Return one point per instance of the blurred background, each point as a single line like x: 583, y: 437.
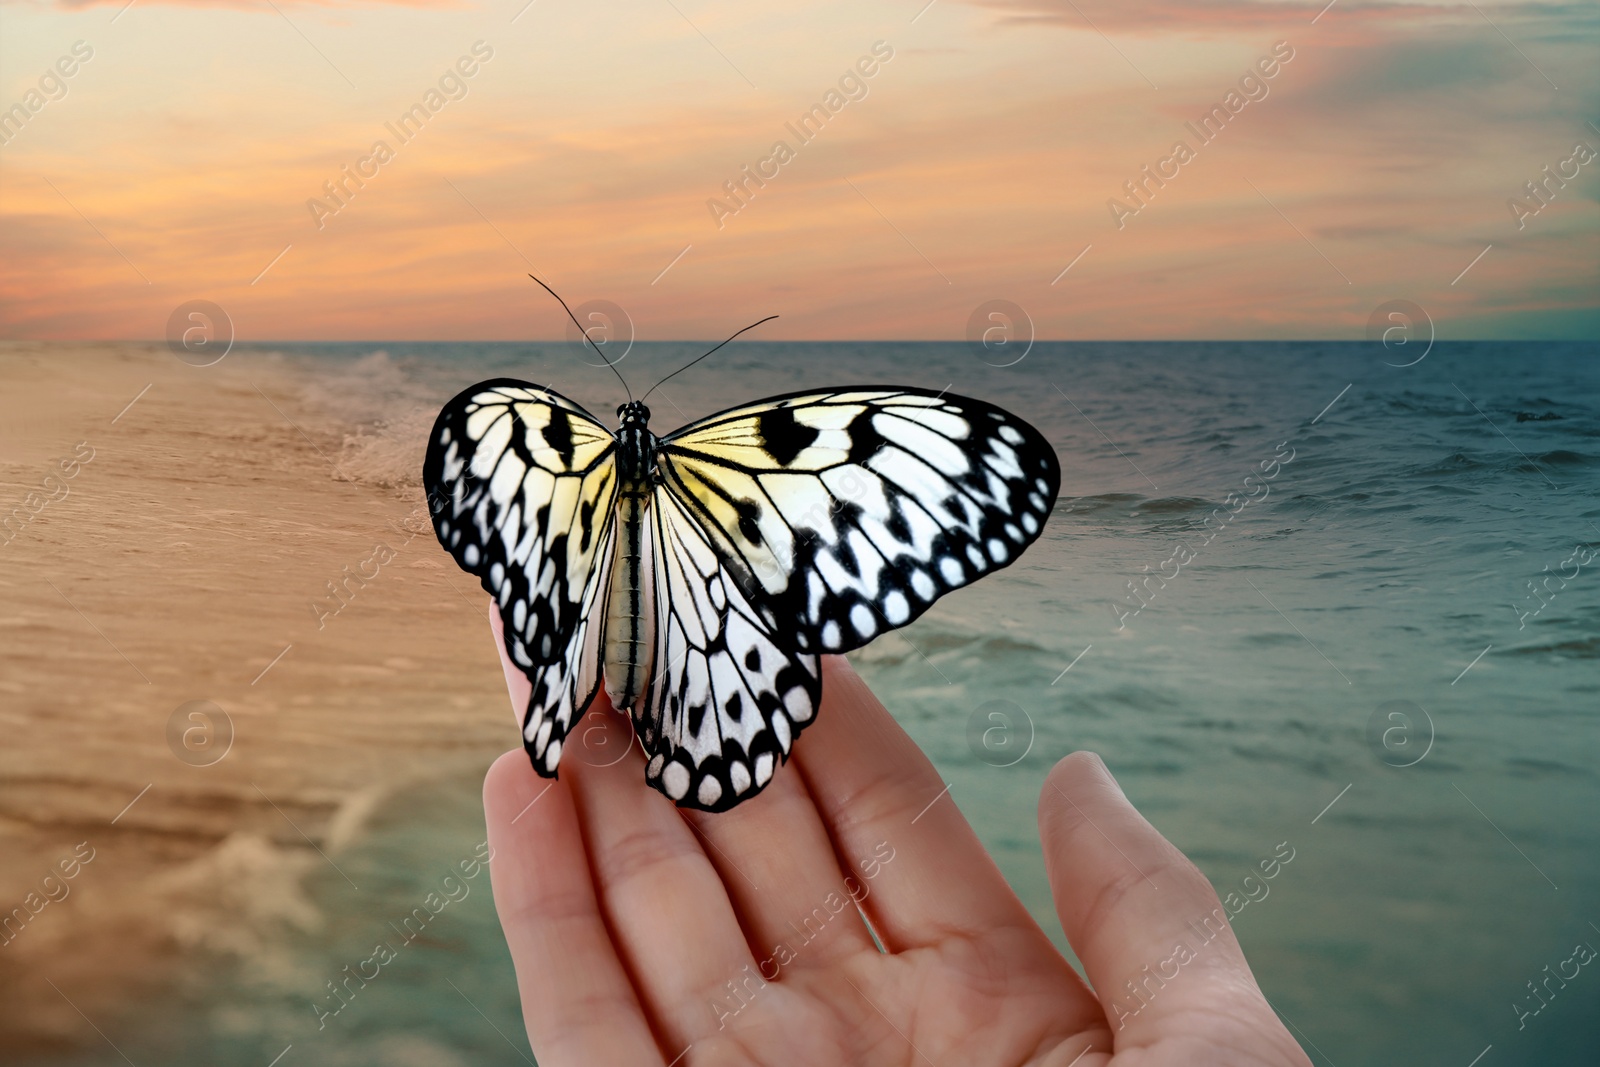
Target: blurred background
x: 247, y: 702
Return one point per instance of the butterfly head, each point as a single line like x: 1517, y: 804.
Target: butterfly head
x: 633, y: 413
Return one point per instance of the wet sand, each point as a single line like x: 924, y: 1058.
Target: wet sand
x: 170, y: 534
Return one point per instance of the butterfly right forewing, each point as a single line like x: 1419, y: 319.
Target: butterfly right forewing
x: 522, y: 486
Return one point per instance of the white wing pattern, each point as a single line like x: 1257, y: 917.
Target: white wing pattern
x: 522, y: 482
x: 776, y: 532
x: 848, y: 513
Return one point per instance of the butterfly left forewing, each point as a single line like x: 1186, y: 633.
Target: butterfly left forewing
x: 845, y: 514
x: 727, y: 694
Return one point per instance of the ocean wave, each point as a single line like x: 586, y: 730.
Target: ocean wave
x: 381, y: 409
x: 1174, y: 505
x: 1562, y: 457
x: 1586, y: 647
x: 1454, y: 463
x: 1523, y: 767
x: 1090, y: 505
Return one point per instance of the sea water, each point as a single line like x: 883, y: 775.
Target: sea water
x: 1302, y: 600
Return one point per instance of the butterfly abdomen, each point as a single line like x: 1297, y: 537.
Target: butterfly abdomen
x: 629, y: 638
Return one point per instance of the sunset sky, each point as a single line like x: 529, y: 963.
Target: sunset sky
x: 978, y: 161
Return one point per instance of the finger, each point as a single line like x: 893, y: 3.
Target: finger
x: 577, y: 1002
x: 667, y: 909
x: 798, y: 909
x: 1154, y: 939
x: 890, y: 820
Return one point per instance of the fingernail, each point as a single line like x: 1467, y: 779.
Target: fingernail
x: 1109, y: 776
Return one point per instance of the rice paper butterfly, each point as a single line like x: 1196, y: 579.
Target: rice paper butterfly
x: 698, y: 577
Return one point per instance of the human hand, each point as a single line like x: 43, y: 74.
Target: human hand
x: 643, y: 934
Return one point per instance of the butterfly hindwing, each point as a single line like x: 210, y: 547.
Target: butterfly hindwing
x: 845, y: 514
x: 727, y: 696
x: 522, y: 484
x: 563, y: 690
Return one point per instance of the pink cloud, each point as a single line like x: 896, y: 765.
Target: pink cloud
x: 1208, y: 17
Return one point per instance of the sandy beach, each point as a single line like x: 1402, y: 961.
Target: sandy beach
x: 188, y: 556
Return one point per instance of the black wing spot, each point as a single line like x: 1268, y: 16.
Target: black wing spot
x: 897, y: 524
x: 783, y: 436
x: 697, y: 716
x: 734, y: 707
x: 749, y: 514
x: 586, y: 524
x: 752, y: 659
x: 845, y: 553
x: 865, y: 440
x: 558, y: 435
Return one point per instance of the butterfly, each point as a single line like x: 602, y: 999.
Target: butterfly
x: 699, y: 576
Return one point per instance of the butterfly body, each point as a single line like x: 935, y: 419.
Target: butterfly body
x: 629, y: 627
x: 698, y: 577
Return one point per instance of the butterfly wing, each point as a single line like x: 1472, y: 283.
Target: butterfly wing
x: 522, y: 485
x: 563, y: 690
x: 727, y: 695
x: 847, y: 513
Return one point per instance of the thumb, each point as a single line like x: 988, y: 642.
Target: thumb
x: 1153, y: 937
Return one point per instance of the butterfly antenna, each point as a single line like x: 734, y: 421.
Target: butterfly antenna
x: 594, y: 346
x: 697, y: 359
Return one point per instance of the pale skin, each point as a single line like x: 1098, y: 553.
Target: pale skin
x: 627, y: 918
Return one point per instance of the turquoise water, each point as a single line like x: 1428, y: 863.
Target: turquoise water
x: 1353, y: 664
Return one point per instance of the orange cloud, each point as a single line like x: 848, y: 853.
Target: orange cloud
x: 255, y: 5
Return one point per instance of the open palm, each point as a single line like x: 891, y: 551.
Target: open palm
x: 647, y: 935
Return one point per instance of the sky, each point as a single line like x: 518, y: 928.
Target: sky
x: 229, y: 151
